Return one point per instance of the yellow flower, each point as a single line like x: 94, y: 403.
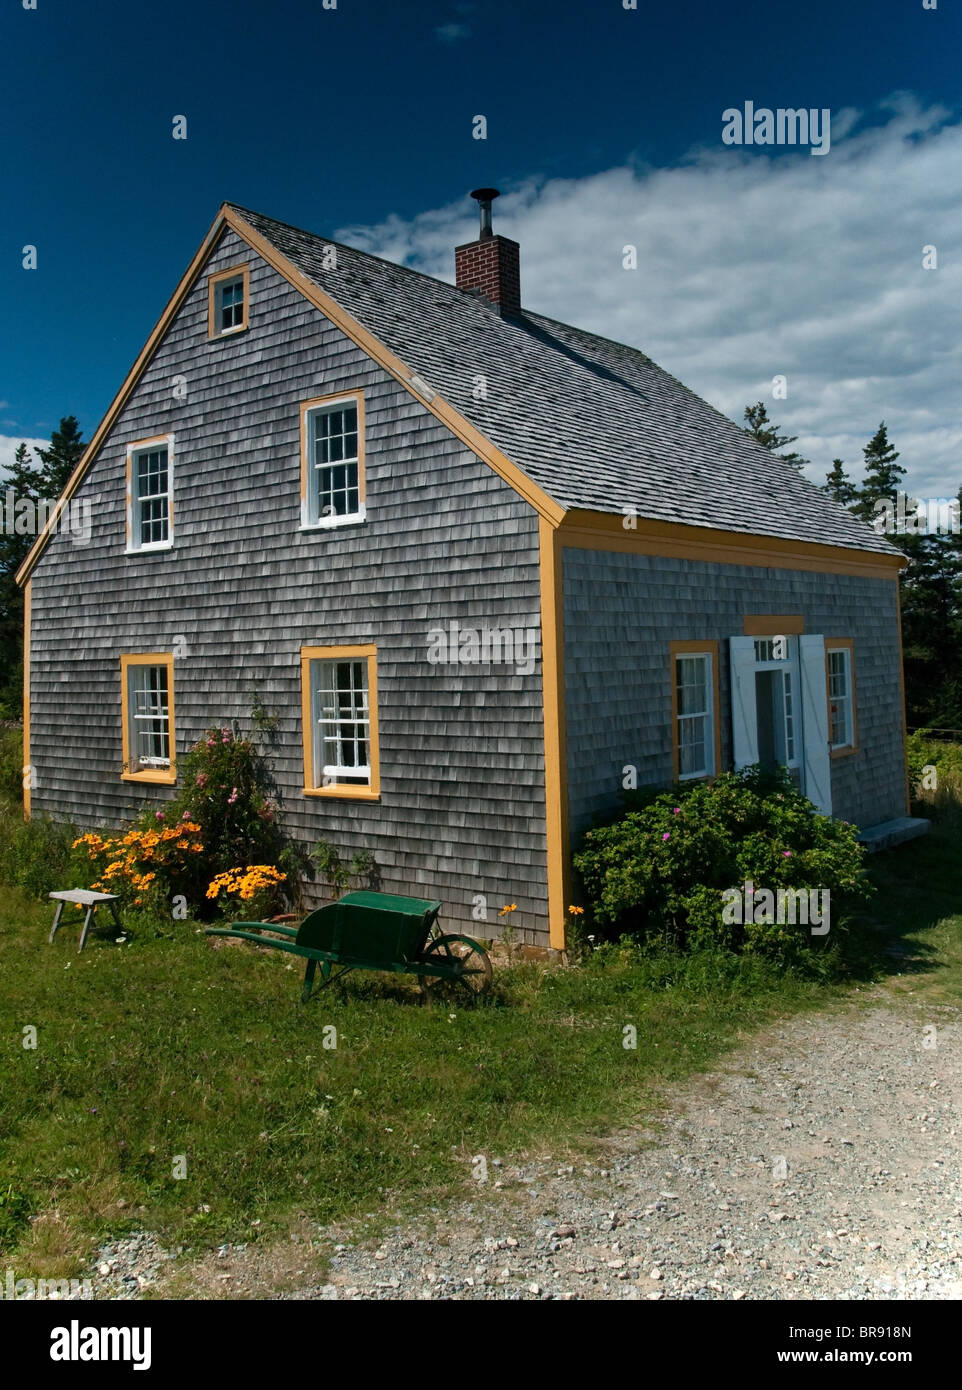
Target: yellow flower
x: 509, y: 907
x: 576, y: 911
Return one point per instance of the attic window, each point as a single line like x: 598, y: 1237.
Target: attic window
x: 228, y: 296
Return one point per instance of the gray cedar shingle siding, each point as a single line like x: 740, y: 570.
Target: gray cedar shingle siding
x: 620, y: 613
x: 462, y: 803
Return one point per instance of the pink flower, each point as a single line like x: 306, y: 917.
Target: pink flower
x: 210, y: 743
x: 159, y: 815
x: 233, y: 796
x: 666, y: 836
x: 677, y: 811
x: 202, y: 779
x: 786, y: 854
x: 186, y: 816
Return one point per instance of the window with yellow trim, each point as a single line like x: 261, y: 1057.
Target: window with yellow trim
x: 340, y: 717
x: 841, y: 697
x: 228, y: 300
x: 148, y: 717
x: 694, y: 714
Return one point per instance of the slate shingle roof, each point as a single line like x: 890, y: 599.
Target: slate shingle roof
x: 597, y: 425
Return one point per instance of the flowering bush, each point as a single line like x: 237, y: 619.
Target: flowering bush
x: 146, y: 868
x: 253, y: 892
x: 228, y: 790
x: 659, y: 871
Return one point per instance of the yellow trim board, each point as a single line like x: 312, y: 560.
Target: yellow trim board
x: 557, y: 835
x: 905, y: 727
x: 368, y: 653
x: 27, y: 776
x: 150, y: 775
x: 773, y: 625
x: 674, y: 540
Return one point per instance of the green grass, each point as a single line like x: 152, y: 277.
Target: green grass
x: 165, y: 1047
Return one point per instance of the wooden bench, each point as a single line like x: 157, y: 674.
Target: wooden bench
x: 84, y: 898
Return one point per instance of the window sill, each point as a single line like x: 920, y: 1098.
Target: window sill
x: 228, y: 333
x: 333, y: 525
x: 845, y: 752
x: 166, y: 779
x: 349, y: 792
x: 149, y: 549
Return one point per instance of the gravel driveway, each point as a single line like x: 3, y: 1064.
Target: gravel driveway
x: 821, y: 1160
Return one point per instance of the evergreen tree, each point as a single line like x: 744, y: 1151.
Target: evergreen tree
x: 931, y: 593
x: 59, y: 461
x: 839, y: 485
x: 761, y: 428
x: 27, y: 481
x: 883, y: 476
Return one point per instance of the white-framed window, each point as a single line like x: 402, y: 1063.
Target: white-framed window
x: 148, y: 716
x: 150, y: 467
x: 230, y: 304
x: 333, y: 461
x: 228, y: 301
x: 342, y: 715
x: 694, y: 714
x: 840, y: 699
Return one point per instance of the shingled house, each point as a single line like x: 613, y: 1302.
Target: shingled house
x: 486, y: 568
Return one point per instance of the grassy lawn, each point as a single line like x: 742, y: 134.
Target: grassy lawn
x: 165, y: 1047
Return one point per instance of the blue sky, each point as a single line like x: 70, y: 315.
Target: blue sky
x: 604, y: 129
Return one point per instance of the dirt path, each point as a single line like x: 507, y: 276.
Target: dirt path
x: 821, y: 1160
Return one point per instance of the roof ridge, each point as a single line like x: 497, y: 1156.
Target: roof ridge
x: 356, y: 251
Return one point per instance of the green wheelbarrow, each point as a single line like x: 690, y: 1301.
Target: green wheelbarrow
x: 376, y: 931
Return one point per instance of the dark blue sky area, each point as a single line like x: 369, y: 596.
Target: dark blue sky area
x: 323, y: 118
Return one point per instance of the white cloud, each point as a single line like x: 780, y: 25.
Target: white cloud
x: 750, y: 266
x: 9, y: 444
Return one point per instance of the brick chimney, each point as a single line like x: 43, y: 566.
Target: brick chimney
x: 492, y: 263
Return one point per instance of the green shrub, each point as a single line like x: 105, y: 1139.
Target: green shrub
x: 659, y: 872
x: 336, y: 874
x: 945, y: 756
x: 11, y: 765
x: 37, y: 854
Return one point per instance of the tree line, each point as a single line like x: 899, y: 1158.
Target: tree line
x: 930, y: 586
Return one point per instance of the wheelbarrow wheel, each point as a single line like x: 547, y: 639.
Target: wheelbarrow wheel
x: 474, y: 975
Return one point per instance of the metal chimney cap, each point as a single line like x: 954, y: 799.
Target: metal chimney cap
x: 485, y: 197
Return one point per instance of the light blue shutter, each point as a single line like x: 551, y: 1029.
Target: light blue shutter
x: 817, y: 761
x: 744, y: 718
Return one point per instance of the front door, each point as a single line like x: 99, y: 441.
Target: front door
x: 780, y: 710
